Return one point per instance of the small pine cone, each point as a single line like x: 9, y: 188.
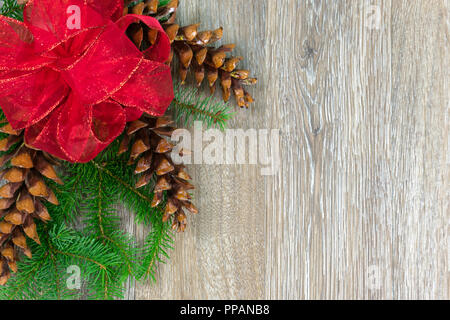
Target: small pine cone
x: 21, y: 198
x: 194, y: 51
x: 152, y: 151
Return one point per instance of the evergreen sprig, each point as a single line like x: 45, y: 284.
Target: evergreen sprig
x: 11, y: 9
x: 189, y: 105
x: 45, y: 276
x: 161, y: 3
x: 101, y: 220
x: 157, y: 244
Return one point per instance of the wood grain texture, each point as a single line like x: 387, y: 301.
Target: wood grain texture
x: 360, y: 206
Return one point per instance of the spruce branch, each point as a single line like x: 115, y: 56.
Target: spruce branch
x: 122, y: 175
x: 21, y: 284
x: 107, y: 255
x: 10, y: 8
x: 160, y: 238
x: 189, y: 105
x: 157, y: 244
x: 123, y: 183
x: 101, y: 219
x: 55, y: 265
x: 42, y: 276
x: 131, y: 3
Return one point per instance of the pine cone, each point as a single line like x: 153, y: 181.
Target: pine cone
x: 166, y: 13
x: 152, y: 152
x: 194, y: 51
x: 22, y: 198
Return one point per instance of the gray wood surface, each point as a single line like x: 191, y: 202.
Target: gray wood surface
x: 360, y: 206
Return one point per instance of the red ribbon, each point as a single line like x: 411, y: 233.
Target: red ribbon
x: 73, y: 89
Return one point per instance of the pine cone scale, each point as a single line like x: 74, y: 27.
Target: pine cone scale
x: 19, y: 199
x: 156, y: 163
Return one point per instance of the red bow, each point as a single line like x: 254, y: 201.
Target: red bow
x: 71, y: 78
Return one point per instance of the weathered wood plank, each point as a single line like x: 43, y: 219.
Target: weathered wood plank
x: 419, y: 149
x: 360, y: 206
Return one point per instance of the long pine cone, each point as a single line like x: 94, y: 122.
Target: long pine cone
x: 151, y: 151
x: 194, y: 51
x: 22, y: 198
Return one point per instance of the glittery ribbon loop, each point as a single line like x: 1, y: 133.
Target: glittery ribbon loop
x: 73, y: 89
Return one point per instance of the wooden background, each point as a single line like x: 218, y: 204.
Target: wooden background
x: 360, y: 206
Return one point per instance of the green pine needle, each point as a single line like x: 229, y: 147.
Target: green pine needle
x: 157, y: 244
x: 161, y: 3
x: 11, y: 9
x: 189, y: 105
x: 44, y: 276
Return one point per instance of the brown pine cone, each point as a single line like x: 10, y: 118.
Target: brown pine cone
x: 194, y: 51
x: 165, y: 13
x: 22, y: 198
x: 152, y: 152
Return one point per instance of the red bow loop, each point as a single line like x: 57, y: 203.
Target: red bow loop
x: 160, y: 51
x: 71, y: 77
